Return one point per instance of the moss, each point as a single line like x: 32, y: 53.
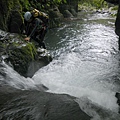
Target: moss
x: 25, y: 4
x: 92, y: 4
x: 6, y: 8
x: 20, y: 56
x: 29, y: 50
x: 10, y: 5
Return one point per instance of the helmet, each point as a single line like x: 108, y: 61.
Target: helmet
x: 27, y: 16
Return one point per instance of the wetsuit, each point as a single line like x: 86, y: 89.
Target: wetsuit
x: 37, y: 28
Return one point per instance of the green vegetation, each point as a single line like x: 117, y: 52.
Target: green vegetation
x: 92, y: 4
x: 25, y: 4
x: 21, y: 56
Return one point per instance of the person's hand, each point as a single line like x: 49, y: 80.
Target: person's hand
x: 44, y: 28
x: 27, y: 38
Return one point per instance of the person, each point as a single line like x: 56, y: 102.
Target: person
x: 36, y: 24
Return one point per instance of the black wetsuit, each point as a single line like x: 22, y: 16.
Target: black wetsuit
x: 36, y: 30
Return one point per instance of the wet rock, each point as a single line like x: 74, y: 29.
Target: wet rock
x: 55, y: 17
x: 67, y: 14
x: 118, y: 101
x: 15, y: 22
x: 68, y: 11
x: 117, y: 22
x: 37, y: 105
x: 19, y: 54
x: 74, y: 13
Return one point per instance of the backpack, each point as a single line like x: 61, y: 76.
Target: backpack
x: 43, y: 16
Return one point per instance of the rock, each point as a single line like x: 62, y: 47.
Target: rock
x: 67, y: 14
x: 20, y: 54
x: 118, y: 101
x: 55, y: 17
x: 117, y: 22
x: 73, y: 12
x: 11, y: 16
x: 15, y: 22
x: 68, y: 11
x: 38, y: 105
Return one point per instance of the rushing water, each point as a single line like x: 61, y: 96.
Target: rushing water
x: 86, y: 62
x: 85, y: 65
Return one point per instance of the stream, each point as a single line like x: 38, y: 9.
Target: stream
x: 86, y: 65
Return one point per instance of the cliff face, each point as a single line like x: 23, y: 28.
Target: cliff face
x: 10, y: 15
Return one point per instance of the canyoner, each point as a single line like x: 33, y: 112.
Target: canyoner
x: 36, y: 25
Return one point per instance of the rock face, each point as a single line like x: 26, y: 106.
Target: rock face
x: 11, y: 15
x: 118, y: 101
x: 70, y: 9
x: 117, y: 22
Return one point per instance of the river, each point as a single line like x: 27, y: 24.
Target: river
x: 86, y: 65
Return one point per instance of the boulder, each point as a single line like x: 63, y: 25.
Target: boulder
x: 117, y: 22
x: 55, y: 17
x: 68, y: 11
x: 38, y: 105
x: 20, y: 55
x: 67, y: 14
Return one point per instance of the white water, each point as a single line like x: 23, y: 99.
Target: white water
x: 12, y: 78
x: 70, y: 79
x: 87, y: 68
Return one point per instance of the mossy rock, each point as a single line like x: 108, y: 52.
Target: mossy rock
x: 20, y: 57
x: 67, y: 14
x: 19, y: 54
x: 10, y: 9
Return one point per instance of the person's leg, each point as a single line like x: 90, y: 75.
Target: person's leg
x: 41, y: 39
x: 42, y: 34
x: 42, y: 44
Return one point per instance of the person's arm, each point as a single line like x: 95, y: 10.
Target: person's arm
x: 37, y: 23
